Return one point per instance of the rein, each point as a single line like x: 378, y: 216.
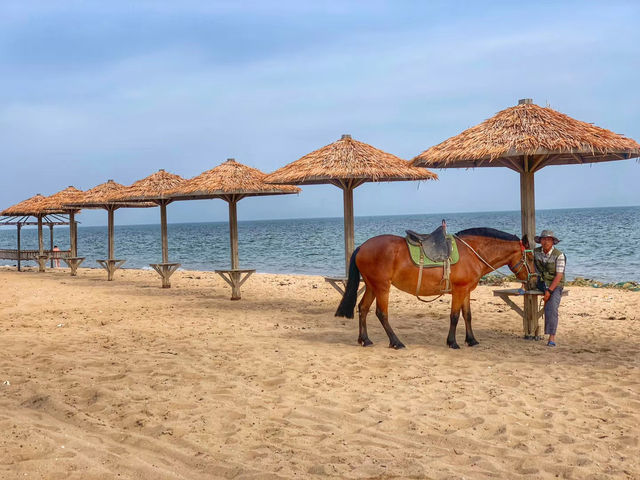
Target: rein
x: 519, y: 265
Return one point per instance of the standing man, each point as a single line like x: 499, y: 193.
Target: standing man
x: 550, y: 263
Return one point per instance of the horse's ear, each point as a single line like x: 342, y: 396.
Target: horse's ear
x: 525, y: 241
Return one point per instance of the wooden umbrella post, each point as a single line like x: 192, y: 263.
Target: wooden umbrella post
x: 51, y: 242
x: 73, y: 261
x: 110, y: 232
x: 110, y: 264
x: 72, y: 234
x: 347, y: 186
x: 163, y: 231
x: 233, y: 232
x: 528, y: 218
x: 42, y: 258
x: 349, y: 229
x: 236, y: 276
x: 164, y: 269
x: 19, y: 228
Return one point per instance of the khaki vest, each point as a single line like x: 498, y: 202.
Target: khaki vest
x: 547, y: 269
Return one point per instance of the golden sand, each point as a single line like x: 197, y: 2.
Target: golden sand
x: 127, y: 380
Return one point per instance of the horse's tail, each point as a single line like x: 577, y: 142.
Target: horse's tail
x: 348, y: 303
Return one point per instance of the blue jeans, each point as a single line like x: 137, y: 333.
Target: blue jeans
x: 551, y: 311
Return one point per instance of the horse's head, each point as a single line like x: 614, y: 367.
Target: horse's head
x: 521, y: 263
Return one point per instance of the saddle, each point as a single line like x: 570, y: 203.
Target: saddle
x: 435, y: 245
x: 438, y: 248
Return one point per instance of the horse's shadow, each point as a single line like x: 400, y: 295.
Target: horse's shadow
x: 498, y: 346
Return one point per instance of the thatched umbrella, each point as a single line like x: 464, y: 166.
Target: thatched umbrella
x: 26, y: 208
x: 526, y: 138
x: 347, y: 164
x: 97, y: 197
x: 18, y: 215
x: 231, y: 181
x: 153, y: 189
x: 39, y: 207
x: 55, y: 203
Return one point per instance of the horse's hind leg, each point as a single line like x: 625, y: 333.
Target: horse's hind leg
x: 466, y: 313
x: 456, y: 304
x: 382, y: 312
x: 363, y: 310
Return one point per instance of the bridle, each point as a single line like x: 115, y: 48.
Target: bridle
x: 523, y: 263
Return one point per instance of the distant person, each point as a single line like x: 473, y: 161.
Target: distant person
x: 550, y: 264
x: 57, y: 260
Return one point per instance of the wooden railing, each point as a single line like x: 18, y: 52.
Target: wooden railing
x: 27, y: 255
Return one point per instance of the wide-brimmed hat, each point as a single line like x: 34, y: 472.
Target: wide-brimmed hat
x: 547, y: 233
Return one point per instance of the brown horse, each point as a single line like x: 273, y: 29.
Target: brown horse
x: 384, y: 261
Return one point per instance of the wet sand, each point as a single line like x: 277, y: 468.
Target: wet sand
x: 127, y: 380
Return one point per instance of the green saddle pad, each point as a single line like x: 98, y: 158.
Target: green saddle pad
x: 414, y: 252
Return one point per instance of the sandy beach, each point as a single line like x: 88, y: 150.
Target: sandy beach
x: 127, y: 380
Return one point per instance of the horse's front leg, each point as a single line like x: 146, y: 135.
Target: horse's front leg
x: 363, y: 310
x: 466, y: 313
x: 382, y: 312
x: 456, y: 304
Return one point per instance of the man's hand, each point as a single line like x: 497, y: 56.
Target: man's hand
x: 547, y: 295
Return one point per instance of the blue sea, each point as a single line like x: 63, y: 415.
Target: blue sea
x: 600, y: 243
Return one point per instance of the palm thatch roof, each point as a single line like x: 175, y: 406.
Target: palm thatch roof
x: 229, y: 178
x: 57, y: 201
x: 40, y: 205
x: 151, y: 188
x: 29, y: 207
x: 98, y: 197
x: 348, y: 159
x: 527, y: 132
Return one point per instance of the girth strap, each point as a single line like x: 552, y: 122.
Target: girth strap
x: 446, y: 278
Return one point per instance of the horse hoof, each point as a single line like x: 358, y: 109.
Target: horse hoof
x: 397, y: 346
x: 366, y: 343
x: 473, y: 342
x: 455, y: 346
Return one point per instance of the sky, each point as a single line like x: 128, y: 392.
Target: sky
x: 95, y: 90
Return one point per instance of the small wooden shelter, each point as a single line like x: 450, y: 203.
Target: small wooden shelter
x: 526, y: 138
x: 20, y: 215
x: 153, y: 189
x: 39, y: 207
x: 230, y: 181
x: 347, y: 164
x: 98, y: 197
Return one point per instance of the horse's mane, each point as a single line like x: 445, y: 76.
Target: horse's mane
x: 488, y: 232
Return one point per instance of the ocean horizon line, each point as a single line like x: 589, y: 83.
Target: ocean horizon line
x: 355, y: 217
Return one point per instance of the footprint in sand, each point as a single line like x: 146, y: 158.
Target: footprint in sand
x: 511, y: 382
x: 461, y: 424
x: 582, y: 461
x: 36, y: 402
x: 566, y: 439
x: 115, y: 450
x: 274, y: 382
x: 519, y: 432
x: 456, y: 405
x: 528, y: 467
x: 48, y: 428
